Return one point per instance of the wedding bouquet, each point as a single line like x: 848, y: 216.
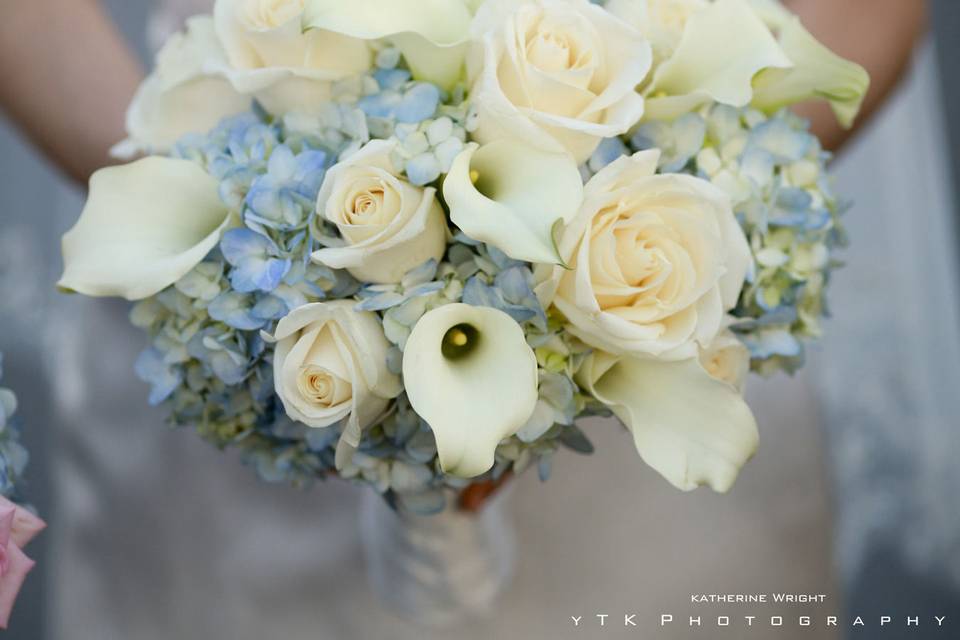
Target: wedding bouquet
x: 18, y: 525
x: 410, y: 242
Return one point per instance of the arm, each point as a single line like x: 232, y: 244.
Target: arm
x: 878, y: 34
x: 66, y: 78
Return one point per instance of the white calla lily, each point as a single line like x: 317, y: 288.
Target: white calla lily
x: 187, y: 93
x: 470, y: 374
x: 723, y: 47
x: 145, y: 226
x: 431, y: 34
x: 512, y: 196
x: 691, y: 428
x: 817, y: 72
x: 772, y: 12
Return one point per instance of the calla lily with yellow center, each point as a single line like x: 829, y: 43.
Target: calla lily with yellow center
x: 513, y: 196
x: 431, y: 34
x: 692, y: 428
x: 470, y: 374
x: 145, y: 225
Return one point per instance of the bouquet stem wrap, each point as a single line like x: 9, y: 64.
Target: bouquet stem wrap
x: 436, y: 570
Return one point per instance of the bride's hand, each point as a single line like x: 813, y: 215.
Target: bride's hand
x: 66, y: 78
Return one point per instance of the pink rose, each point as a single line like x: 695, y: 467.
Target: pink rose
x: 17, y: 527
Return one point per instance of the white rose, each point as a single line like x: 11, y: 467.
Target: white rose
x: 727, y: 359
x: 557, y: 74
x: 656, y: 261
x: 389, y: 226
x: 272, y: 58
x: 330, y: 364
x: 185, y: 94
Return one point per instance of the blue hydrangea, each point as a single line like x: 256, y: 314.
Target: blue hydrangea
x: 510, y: 291
x: 285, y: 196
x: 610, y: 149
x: 774, y: 169
x: 678, y: 141
x: 163, y: 378
x: 401, y: 101
x: 256, y: 261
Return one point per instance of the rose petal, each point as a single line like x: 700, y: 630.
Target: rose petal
x: 8, y: 512
x: 18, y: 566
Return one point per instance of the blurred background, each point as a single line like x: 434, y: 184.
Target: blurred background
x: 854, y: 493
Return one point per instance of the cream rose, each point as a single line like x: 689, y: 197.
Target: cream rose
x: 655, y: 262
x: 329, y: 365
x: 271, y: 57
x: 188, y: 92
x: 557, y: 74
x: 389, y: 226
x: 727, y: 359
